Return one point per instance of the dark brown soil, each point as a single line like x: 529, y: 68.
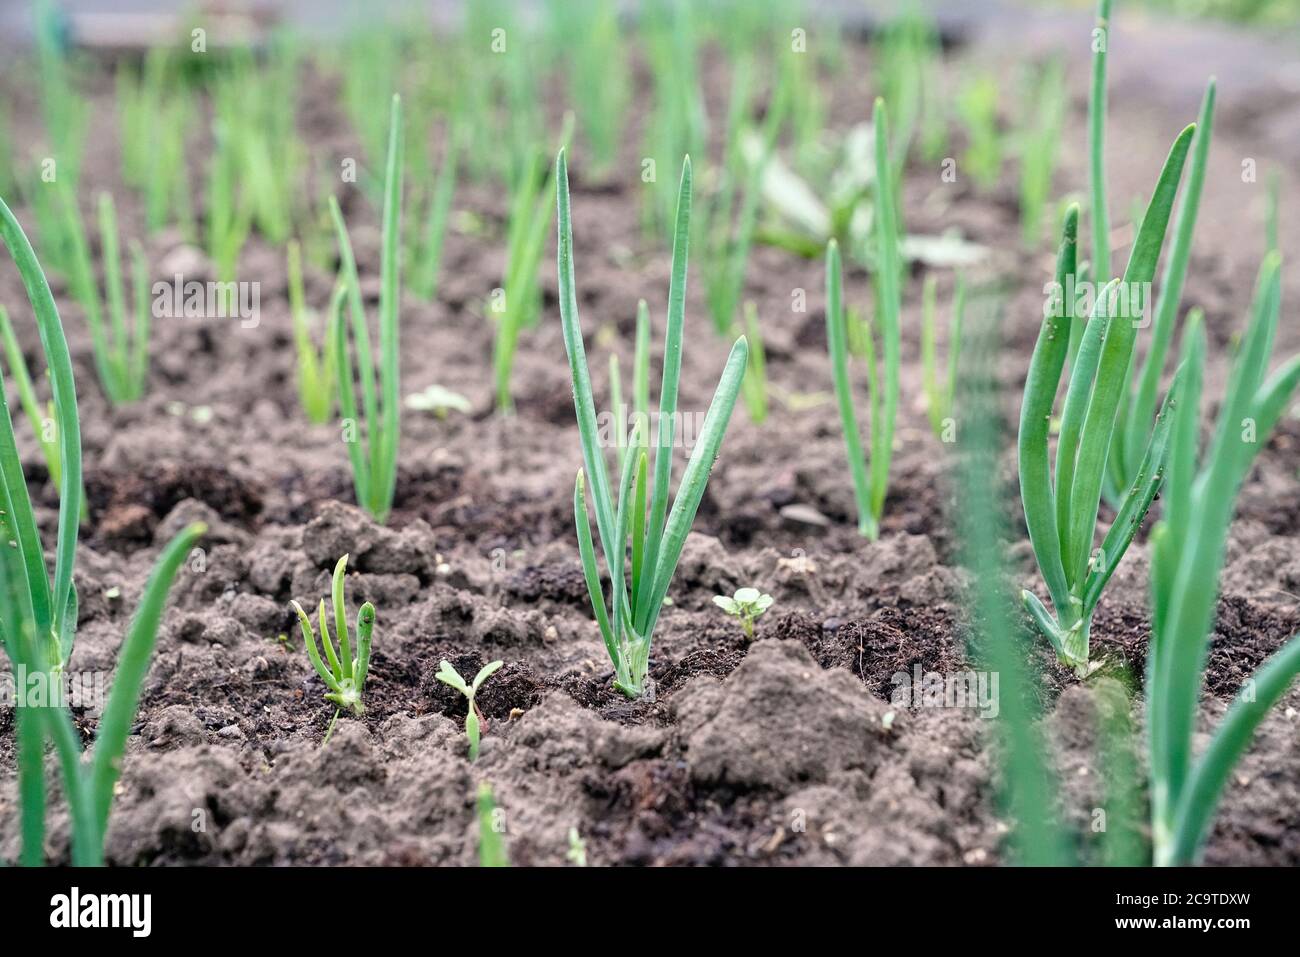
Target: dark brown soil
x: 781, y: 751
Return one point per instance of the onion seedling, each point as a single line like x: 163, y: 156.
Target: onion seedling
x: 870, y: 492
x: 254, y: 107
x: 1061, y: 510
x: 517, y: 304
x: 1039, y: 140
x: 316, y: 371
x: 640, y: 387
x: 154, y: 109
x: 907, y: 52
x: 345, y: 676
x: 678, y: 124
x: 1098, y: 208
x: 229, y: 212
x: 746, y: 605
x: 425, y: 246
x: 727, y: 234
x: 121, y: 354
x: 38, y: 612
x: 65, y: 112
x: 977, y: 107
x: 374, y: 462
x: 41, y: 421
x: 939, y: 396
x: 1188, y: 548
x: 44, y: 426
x: 1137, y: 408
x: 451, y: 677
x: 1027, y: 787
x: 657, y: 534
x: 597, y: 79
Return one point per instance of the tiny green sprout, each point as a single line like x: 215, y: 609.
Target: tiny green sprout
x: 747, y: 604
x: 438, y: 400
x: 450, y: 676
x: 345, y: 676
x: 577, y: 853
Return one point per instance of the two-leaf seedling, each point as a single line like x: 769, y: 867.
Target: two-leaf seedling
x: 746, y: 605
x: 450, y: 676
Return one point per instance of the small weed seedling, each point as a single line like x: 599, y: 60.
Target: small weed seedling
x: 439, y: 400
x: 451, y: 677
x: 746, y: 605
x: 345, y: 677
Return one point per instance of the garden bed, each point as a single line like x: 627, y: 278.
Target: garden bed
x: 785, y: 750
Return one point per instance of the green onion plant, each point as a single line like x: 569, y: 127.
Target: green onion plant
x: 517, y: 304
x: 153, y: 111
x: 640, y: 409
x: 906, y: 56
x: 977, y: 109
x: 1038, y: 143
x: 316, y: 370
x: 38, y: 611
x: 940, y: 395
x: 374, y: 461
x: 1061, y: 508
x: 40, y: 419
x: 121, y: 350
x: 869, y: 490
x: 596, y: 78
x: 641, y: 507
x: 728, y: 218
x: 428, y: 225
x: 678, y: 123
x: 1187, y: 554
x: 1137, y: 407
